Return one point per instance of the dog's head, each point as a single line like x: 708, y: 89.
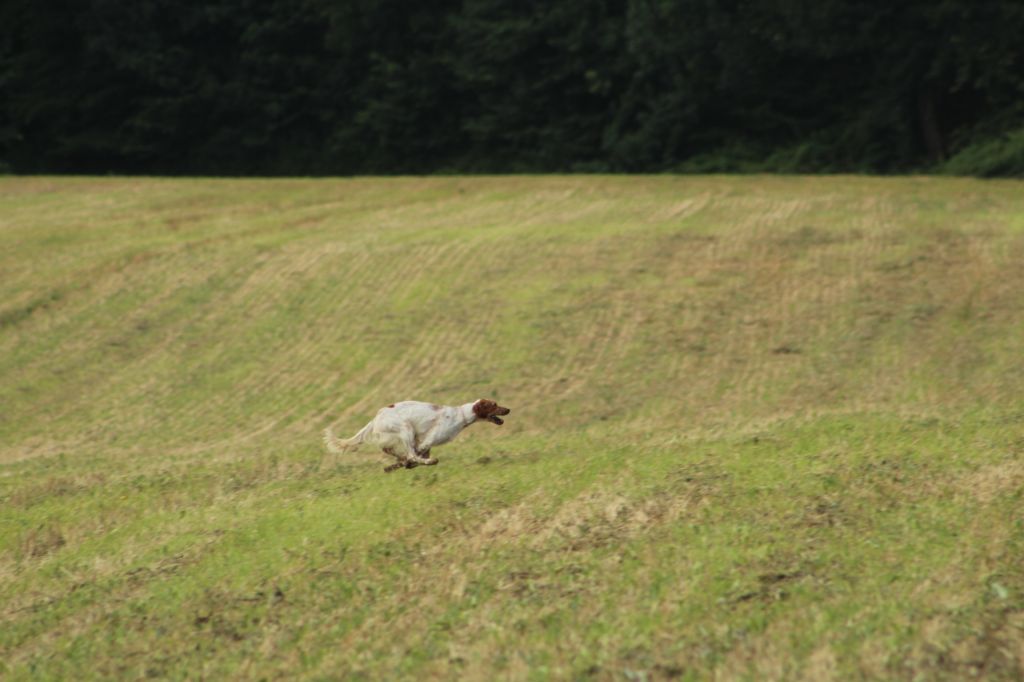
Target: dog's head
x: 488, y: 410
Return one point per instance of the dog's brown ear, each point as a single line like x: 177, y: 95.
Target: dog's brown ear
x: 483, y: 408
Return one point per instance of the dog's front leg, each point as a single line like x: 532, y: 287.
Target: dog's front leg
x: 413, y: 447
x: 413, y: 454
x: 423, y: 458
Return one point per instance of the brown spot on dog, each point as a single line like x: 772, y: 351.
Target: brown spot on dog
x: 391, y: 405
x: 488, y: 410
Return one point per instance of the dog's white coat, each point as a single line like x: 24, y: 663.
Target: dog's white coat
x: 409, y: 429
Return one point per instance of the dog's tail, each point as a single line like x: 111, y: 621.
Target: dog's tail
x: 340, y: 445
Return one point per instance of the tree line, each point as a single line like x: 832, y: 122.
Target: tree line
x: 279, y: 87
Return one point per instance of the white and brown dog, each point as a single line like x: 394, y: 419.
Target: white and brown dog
x: 408, y: 430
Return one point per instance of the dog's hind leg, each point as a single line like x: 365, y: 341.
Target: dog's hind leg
x: 402, y: 461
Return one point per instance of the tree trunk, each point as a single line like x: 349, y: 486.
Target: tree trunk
x: 930, y: 124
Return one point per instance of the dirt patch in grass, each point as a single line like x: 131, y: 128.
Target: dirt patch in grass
x: 994, y: 481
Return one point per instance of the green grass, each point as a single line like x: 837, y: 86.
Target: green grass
x: 762, y: 428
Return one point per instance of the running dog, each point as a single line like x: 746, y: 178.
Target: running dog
x: 408, y: 430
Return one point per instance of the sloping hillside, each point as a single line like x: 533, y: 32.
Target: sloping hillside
x: 763, y: 427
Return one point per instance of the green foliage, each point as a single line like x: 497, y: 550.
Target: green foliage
x: 998, y: 156
x: 279, y: 87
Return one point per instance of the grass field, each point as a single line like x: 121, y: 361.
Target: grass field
x: 763, y: 428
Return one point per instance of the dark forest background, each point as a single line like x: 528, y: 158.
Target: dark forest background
x: 280, y: 87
